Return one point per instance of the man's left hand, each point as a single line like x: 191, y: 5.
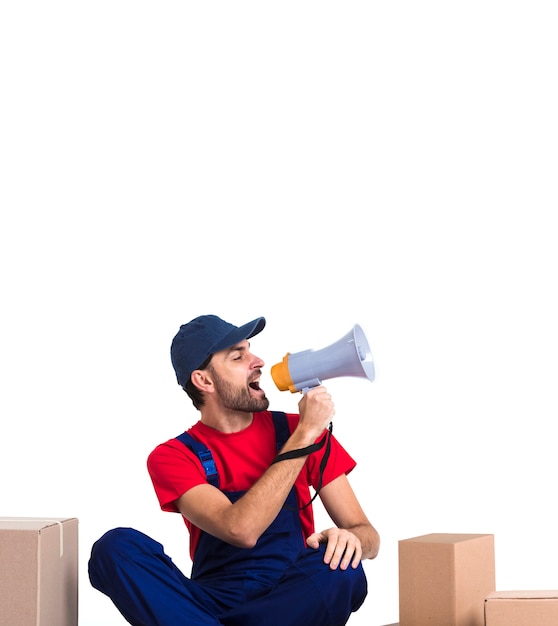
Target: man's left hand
x: 343, y: 547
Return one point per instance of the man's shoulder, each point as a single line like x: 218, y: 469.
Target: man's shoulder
x: 170, y: 448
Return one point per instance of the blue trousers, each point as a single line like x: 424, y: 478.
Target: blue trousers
x: 149, y: 590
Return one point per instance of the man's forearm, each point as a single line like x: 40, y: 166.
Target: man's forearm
x: 369, y: 540
x: 251, y: 514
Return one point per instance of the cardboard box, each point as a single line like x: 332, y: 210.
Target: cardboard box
x: 38, y: 571
x: 444, y: 579
x: 521, y: 608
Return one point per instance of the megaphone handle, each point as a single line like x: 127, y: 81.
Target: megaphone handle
x: 309, y: 384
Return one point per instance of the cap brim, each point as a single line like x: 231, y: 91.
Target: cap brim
x: 239, y: 334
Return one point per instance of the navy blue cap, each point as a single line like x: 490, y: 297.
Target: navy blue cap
x: 202, y: 337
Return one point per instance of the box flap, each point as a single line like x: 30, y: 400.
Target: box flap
x: 30, y: 523
x: 536, y: 594
x: 446, y: 538
x: 36, y: 524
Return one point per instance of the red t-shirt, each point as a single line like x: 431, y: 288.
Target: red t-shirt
x: 241, y: 458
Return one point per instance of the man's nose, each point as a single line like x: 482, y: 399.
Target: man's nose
x: 257, y: 363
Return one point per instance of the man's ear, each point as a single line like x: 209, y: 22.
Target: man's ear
x: 202, y: 380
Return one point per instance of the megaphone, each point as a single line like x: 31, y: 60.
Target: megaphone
x: 349, y: 356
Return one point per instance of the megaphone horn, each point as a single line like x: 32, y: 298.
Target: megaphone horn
x: 349, y: 356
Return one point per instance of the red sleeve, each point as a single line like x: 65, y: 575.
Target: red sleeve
x: 174, y: 469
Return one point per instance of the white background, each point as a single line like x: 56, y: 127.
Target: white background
x: 392, y: 164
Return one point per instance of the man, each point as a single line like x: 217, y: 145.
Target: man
x: 241, y: 479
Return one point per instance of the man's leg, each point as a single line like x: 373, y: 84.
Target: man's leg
x: 144, y: 584
x: 309, y: 593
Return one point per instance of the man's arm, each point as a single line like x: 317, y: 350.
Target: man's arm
x: 242, y: 523
x: 354, y: 537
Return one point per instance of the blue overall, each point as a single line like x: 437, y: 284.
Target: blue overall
x: 278, y: 582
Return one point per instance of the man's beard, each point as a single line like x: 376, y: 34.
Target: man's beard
x: 238, y: 398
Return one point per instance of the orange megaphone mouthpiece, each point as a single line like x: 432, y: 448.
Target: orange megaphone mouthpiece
x: 281, y: 375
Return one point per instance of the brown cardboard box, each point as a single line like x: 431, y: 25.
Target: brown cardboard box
x: 521, y: 608
x: 38, y: 571
x: 444, y: 579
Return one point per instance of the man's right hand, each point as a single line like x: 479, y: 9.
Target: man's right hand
x: 316, y: 410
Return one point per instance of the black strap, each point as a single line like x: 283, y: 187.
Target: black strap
x: 294, y: 454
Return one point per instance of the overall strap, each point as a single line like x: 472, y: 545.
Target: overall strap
x: 282, y: 432
x: 204, y: 455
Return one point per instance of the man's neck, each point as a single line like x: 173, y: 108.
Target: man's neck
x: 227, y: 421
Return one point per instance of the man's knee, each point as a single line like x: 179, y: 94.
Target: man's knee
x: 120, y: 541
x: 357, y: 583
x: 111, y: 551
x: 113, y: 542
x: 345, y: 590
